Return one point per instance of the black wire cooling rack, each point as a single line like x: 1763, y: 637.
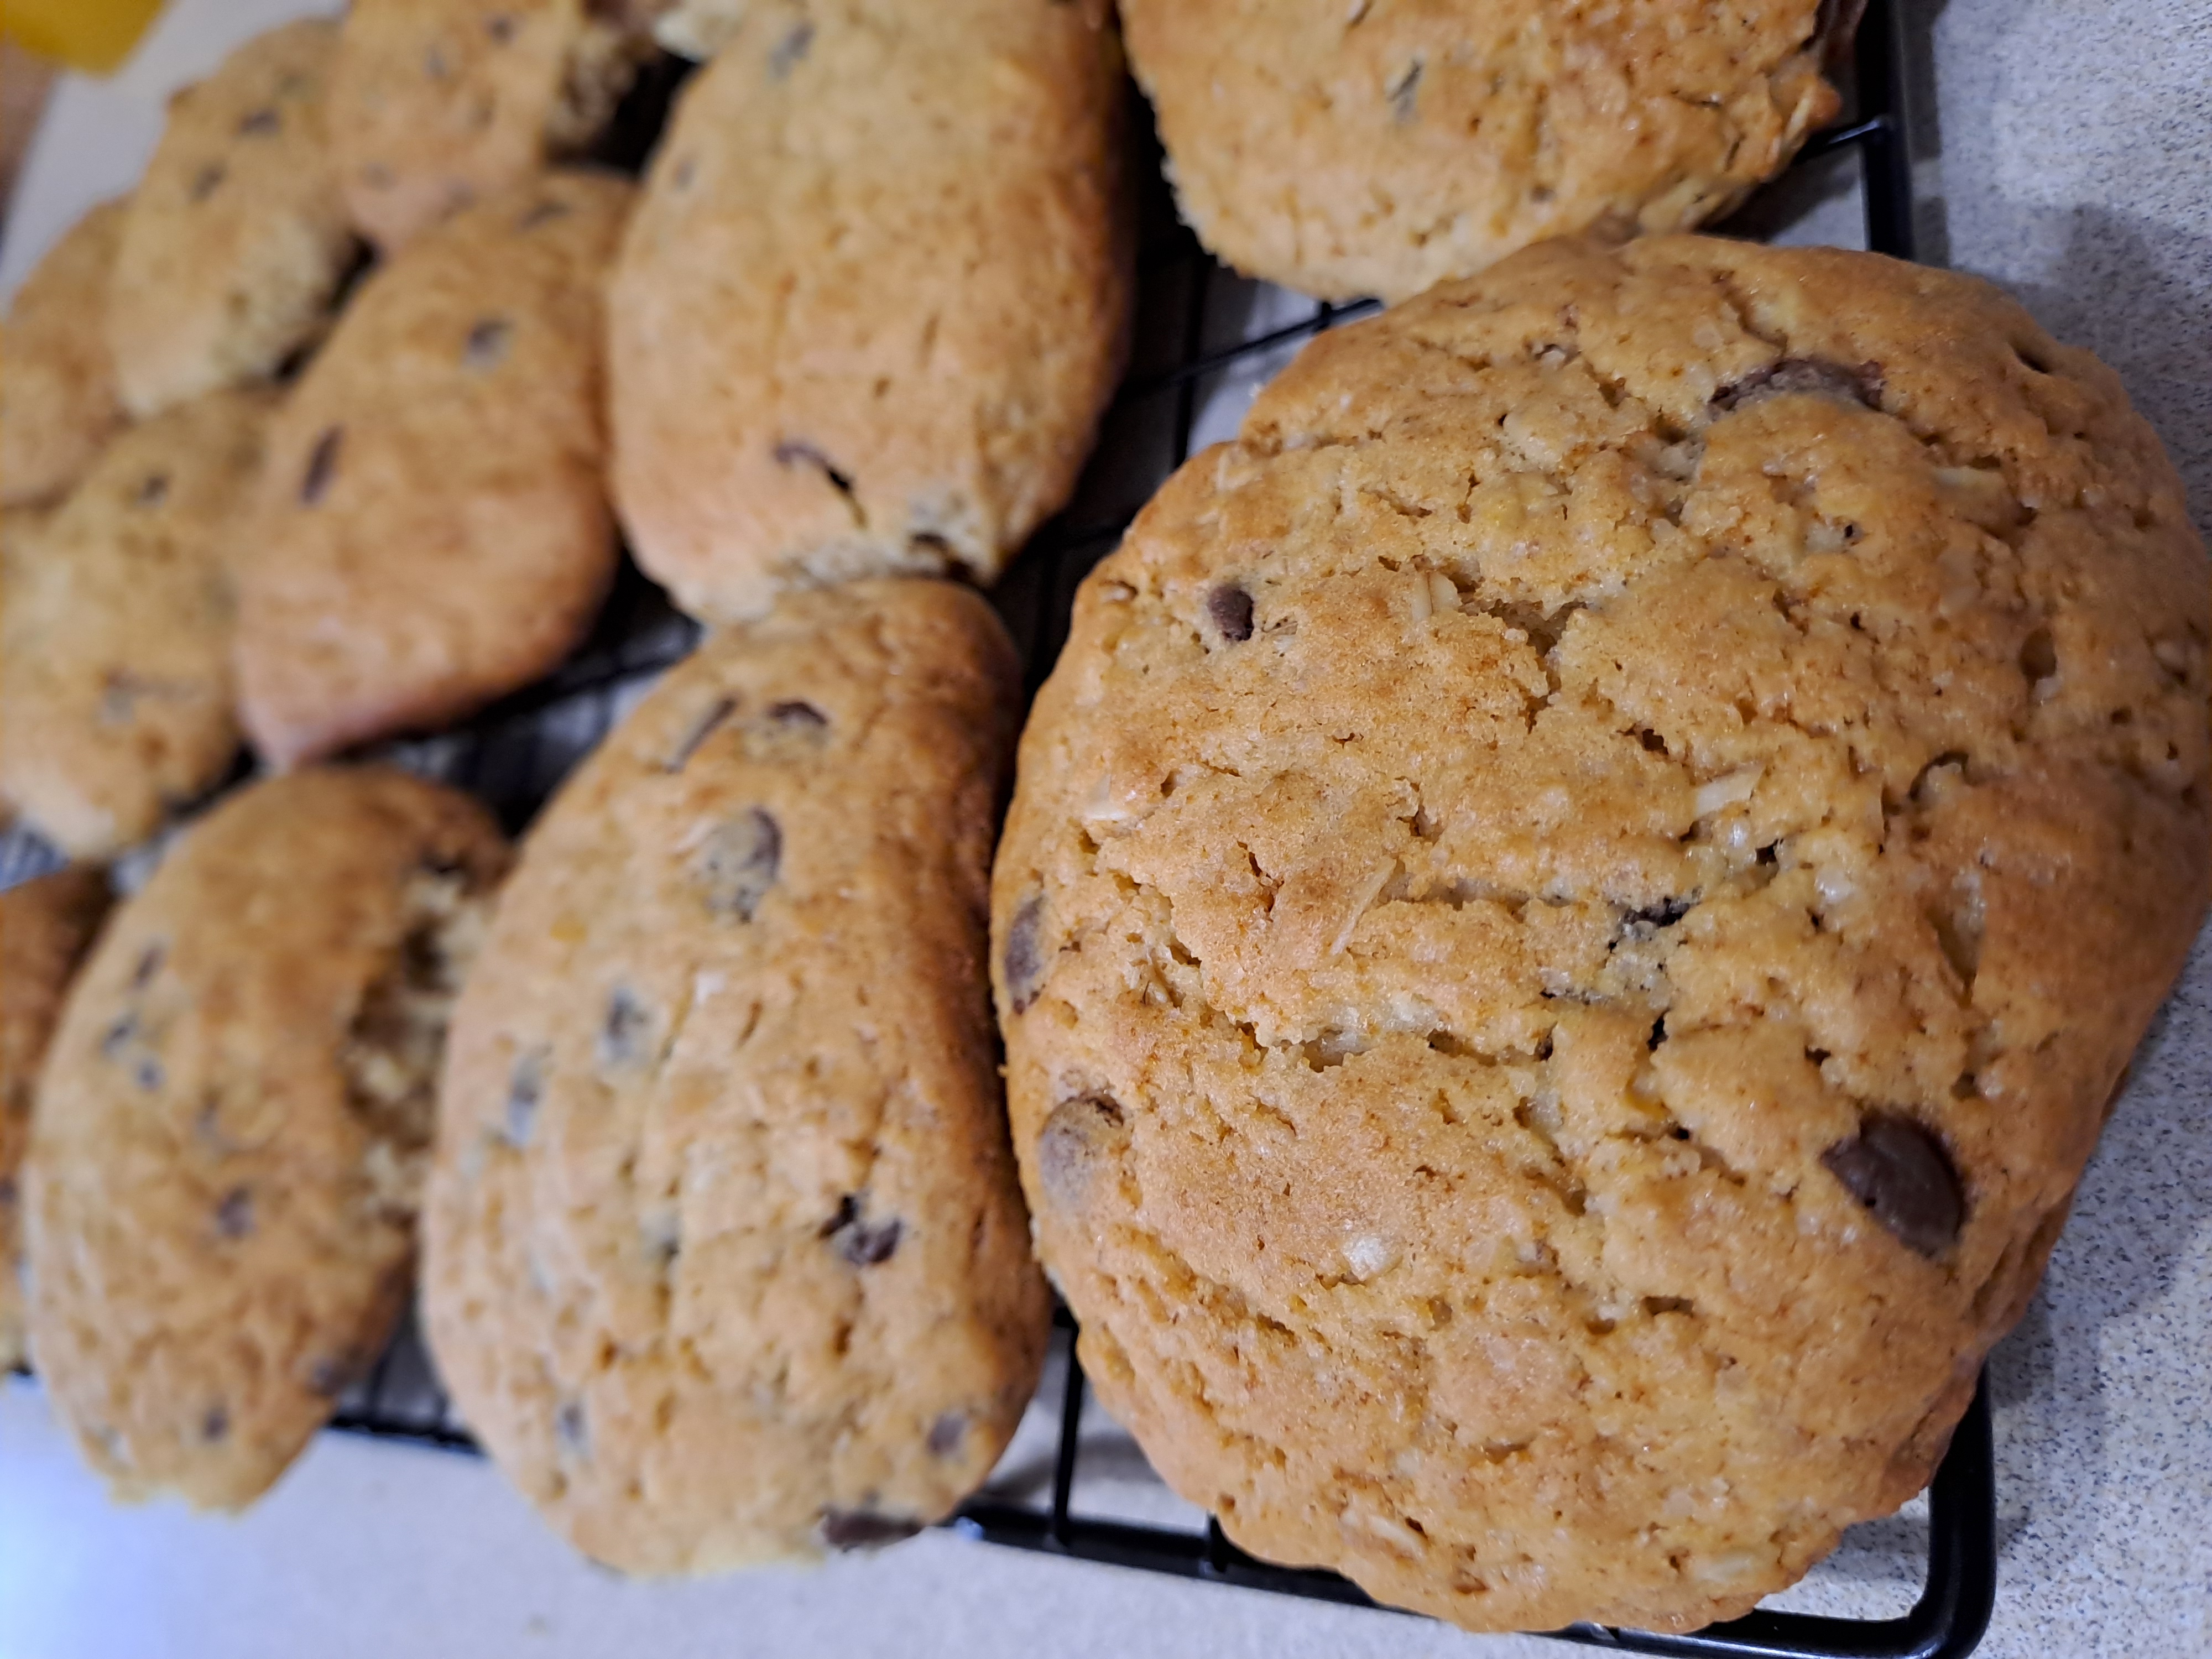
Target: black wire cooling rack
x: 1204, y: 339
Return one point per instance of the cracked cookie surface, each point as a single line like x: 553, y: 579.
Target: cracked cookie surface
x: 1379, y: 146
x: 227, y: 1144
x: 874, y: 298
x: 725, y: 1261
x: 1575, y: 904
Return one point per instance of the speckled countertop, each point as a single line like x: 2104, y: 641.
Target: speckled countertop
x: 2065, y: 149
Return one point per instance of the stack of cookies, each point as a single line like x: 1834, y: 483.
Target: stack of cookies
x: 1569, y: 913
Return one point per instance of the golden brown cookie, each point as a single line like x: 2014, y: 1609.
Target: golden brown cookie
x: 439, y: 103
x: 220, y: 1196
x: 115, y: 636
x: 724, y: 1258
x: 874, y: 297
x: 235, y: 242
x: 1376, y: 146
x: 432, y: 528
x: 57, y: 398
x: 46, y: 925
x: 1573, y: 906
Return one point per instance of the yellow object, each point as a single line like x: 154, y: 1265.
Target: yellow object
x: 93, y: 35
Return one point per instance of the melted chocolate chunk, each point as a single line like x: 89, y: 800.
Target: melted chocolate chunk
x: 322, y: 466
x: 863, y: 1530
x: 1230, y: 608
x: 1081, y: 1140
x: 1900, y: 1172
x: 1023, y: 958
x: 740, y: 863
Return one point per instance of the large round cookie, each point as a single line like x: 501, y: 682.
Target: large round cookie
x: 874, y: 297
x: 433, y: 527
x: 46, y: 925
x: 1376, y: 146
x: 1575, y: 904
x: 234, y: 242
x: 57, y: 398
x: 225, y: 1153
x: 436, y: 104
x: 115, y: 629
x: 723, y: 1257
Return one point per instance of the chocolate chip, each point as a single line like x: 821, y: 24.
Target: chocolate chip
x: 862, y: 1243
x: 789, y: 52
x: 543, y: 213
x: 2038, y: 656
x: 526, y: 1087
x: 1230, y: 609
x: 863, y: 1530
x: 739, y: 864
x: 624, y: 1033
x: 501, y: 27
x: 1405, y: 92
x: 331, y: 1376
x: 1081, y: 1138
x: 7, y: 1190
x: 148, y: 1074
x: 262, y: 120
x: 153, y: 490
x: 798, y: 717
x: 487, y: 344
x: 233, y: 1216
x: 206, y: 181
x: 702, y: 728
x: 434, y: 64
x: 792, y: 452
x: 571, y: 1429
x: 149, y: 963
x: 1024, y: 959
x: 216, y: 1426
x: 1808, y: 376
x: 118, y: 1037
x: 1900, y: 1171
x: 947, y: 1433
x: 322, y: 466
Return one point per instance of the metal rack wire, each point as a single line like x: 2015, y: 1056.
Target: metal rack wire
x: 1205, y: 340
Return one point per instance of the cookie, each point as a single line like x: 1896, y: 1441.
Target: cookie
x: 1575, y: 903
x: 724, y: 1258
x: 433, y: 527
x: 58, y: 403
x: 436, y: 104
x: 235, y: 243
x: 115, y: 639
x: 228, y: 1147
x: 1376, y: 148
x: 874, y: 297
x: 47, y: 926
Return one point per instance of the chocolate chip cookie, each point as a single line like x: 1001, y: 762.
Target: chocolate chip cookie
x: 433, y: 527
x: 46, y: 925
x: 115, y: 636
x: 436, y: 104
x: 226, y: 1152
x: 724, y: 1258
x: 1374, y: 148
x: 874, y: 297
x: 58, y: 403
x: 1575, y: 904
x: 235, y: 242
